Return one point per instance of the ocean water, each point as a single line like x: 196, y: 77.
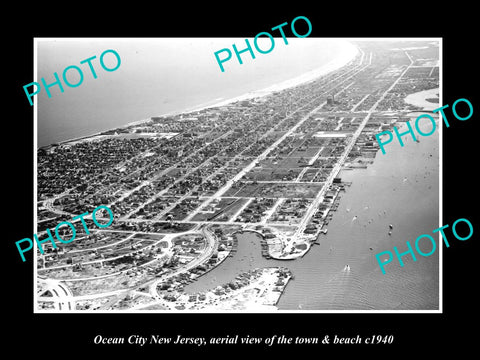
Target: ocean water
x: 401, y: 188
x: 160, y: 76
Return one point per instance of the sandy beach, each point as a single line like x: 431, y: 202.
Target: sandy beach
x: 174, y: 86
x: 348, y: 54
x: 421, y: 99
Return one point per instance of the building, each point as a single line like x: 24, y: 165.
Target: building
x: 330, y: 100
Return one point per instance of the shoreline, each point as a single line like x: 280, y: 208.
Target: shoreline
x: 337, y: 63
x: 348, y: 54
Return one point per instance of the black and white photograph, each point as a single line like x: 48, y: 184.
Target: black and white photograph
x: 285, y: 179
x: 286, y: 191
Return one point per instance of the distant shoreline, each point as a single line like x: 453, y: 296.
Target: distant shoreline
x: 335, y: 64
x: 349, y: 52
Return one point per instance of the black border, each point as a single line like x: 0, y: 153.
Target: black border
x: 413, y: 333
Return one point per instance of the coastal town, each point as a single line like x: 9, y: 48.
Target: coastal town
x: 182, y: 187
